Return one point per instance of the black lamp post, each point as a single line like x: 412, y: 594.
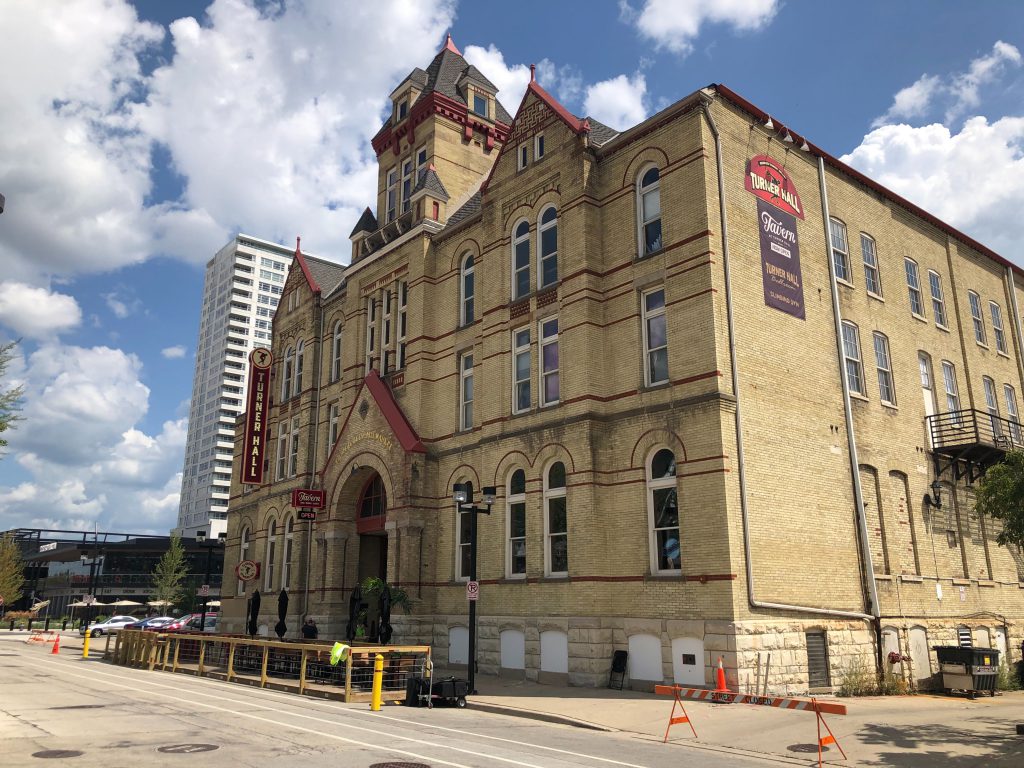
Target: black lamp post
x: 92, y: 583
x: 209, y: 547
x: 463, y: 495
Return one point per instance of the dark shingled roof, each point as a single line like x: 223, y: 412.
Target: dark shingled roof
x: 470, y: 208
x: 327, y: 274
x: 600, y: 133
x: 430, y: 182
x: 367, y: 223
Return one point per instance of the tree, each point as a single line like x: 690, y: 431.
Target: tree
x: 10, y: 399
x: 12, y: 570
x: 169, y: 574
x: 1000, y: 495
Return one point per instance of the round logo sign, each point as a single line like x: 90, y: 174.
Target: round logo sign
x: 261, y: 358
x: 247, y: 570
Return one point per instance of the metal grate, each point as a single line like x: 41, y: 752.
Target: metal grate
x: 963, y: 637
x: 817, y: 660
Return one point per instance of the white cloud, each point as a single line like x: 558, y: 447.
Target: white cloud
x: 912, y: 101
x: 121, y: 303
x: 619, y: 102
x: 973, y: 179
x: 511, y: 81
x: 981, y: 71
x: 675, y: 24
x: 37, y: 312
x: 173, y: 353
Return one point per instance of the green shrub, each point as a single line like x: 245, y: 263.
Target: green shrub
x: 858, y: 679
x: 1007, y: 679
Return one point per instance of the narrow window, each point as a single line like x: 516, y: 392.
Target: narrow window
x: 403, y: 321
x: 851, y: 354
x: 840, y: 250
x: 466, y: 392
x: 403, y: 109
x: 516, y: 500
x: 480, y: 104
x: 282, y: 451
x: 466, y: 305
x: 938, y: 303
x: 663, y: 511
x: 385, y: 342
x: 268, y: 582
x: 521, y: 260
x: 556, y: 522
x: 976, y: 318
x: 334, y: 420
x: 371, y: 333
x: 886, y: 388
x: 1011, y: 413
x: 655, y: 337
x: 872, y: 279
x: 286, y: 561
x: 524, y: 156
x: 913, y: 287
x: 992, y: 405
x: 997, y: 326
x: 949, y: 379
x: 336, y: 352
x: 288, y: 374
x: 421, y: 162
x: 293, y: 458
x: 392, y: 194
x: 547, y: 234
x: 300, y: 357
x: 549, y: 393
x: 462, y: 555
x: 407, y: 184
x: 538, y: 146
x: 243, y: 554
x: 649, y: 210
x: 521, y: 372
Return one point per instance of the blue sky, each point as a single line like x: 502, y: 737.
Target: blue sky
x: 137, y: 138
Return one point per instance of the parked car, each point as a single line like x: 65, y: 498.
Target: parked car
x: 108, y: 627
x: 190, y: 623
x: 152, y: 623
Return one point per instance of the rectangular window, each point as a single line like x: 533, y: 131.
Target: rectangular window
x: 335, y: 413
x: 403, y: 109
x: 385, y: 345
x: 997, y: 326
x: 1011, y: 413
x: 403, y: 301
x: 517, y: 525
x: 282, y: 451
x: 992, y: 405
x: 392, y: 195
x: 407, y: 184
x: 949, y: 379
x: 521, y: 370
x: 538, y: 146
x: 480, y: 104
x: 655, y: 337
x: 872, y: 279
x: 421, y: 162
x: 938, y: 303
x: 466, y: 392
x: 851, y: 354
x: 465, y: 542
x: 840, y: 250
x: 371, y: 332
x: 886, y: 388
x: 976, y: 317
x: 913, y: 287
x: 293, y: 459
x: 524, y: 156
x: 549, y: 385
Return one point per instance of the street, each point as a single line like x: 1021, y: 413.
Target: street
x: 62, y: 706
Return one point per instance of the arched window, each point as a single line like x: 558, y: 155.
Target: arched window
x: 464, y: 523
x: 268, y: 582
x: 663, y: 512
x: 466, y: 283
x: 286, y: 561
x: 521, y: 260
x: 547, y: 250
x: 336, y: 352
x: 243, y: 554
x: 373, y: 505
x: 515, y: 502
x: 556, y: 523
x: 299, y: 357
x: 288, y: 373
x: 648, y: 202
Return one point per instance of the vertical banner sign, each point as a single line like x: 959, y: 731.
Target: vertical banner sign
x: 257, y: 405
x: 778, y: 208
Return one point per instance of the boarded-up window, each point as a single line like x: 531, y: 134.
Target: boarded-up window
x: 817, y: 660
x: 963, y: 637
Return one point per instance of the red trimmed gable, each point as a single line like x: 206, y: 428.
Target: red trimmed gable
x: 313, y: 285
x: 392, y: 411
x: 580, y: 126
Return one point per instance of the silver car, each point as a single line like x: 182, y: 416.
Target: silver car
x: 108, y: 627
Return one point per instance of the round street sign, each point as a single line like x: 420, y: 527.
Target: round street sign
x: 247, y: 570
x: 472, y: 590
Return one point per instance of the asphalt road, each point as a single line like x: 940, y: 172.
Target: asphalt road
x: 113, y: 716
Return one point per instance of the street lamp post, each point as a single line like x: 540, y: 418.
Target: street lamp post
x: 209, y: 547
x: 92, y: 584
x: 463, y: 495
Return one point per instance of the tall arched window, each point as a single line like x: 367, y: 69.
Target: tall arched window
x: 547, y: 250
x: 648, y: 202
x: 299, y: 357
x: 373, y: 505
x: 556, y: 522
x: 286, y: 561
x: 243, y: 554
x: 467, y: 288
x: 521, y: 260
x: 288, y: 372
x: 336, y: 352
x: 515, y: 501
x: 268, y: 582
x: 464, y: 522
x: 663, y: 512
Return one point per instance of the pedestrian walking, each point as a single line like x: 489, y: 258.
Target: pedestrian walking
x: 310, y: 630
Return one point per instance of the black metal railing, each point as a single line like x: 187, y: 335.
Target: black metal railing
x: 966, y: 429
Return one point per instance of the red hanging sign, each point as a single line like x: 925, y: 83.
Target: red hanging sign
x: 257, y: 406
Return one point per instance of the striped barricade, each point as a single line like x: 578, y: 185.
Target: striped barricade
x: 728, y: 697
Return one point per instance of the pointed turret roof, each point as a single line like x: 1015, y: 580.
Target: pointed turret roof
x: 431, y: 182
x: 367, y: 223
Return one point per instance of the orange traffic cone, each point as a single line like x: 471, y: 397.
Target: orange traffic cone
x: 720, y: 677
x: 56, y: 645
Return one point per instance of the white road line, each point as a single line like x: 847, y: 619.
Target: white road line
x: 334, y: 723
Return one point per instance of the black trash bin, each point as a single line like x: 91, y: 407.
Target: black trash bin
x: 416, y: 691
x: 968, y: 669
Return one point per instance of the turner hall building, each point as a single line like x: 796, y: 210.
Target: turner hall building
x: 732, y: 394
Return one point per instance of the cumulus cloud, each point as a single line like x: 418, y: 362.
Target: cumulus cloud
x: 675, y: 24
x: 173, y: 353
x: 618, y: 102
x: 37, y: 313
x: 122, y: 303
x: 510, y: 80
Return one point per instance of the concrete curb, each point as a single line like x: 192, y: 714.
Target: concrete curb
x: 531, y: 714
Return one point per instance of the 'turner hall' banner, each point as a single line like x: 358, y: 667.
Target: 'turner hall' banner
x: 257, y: 405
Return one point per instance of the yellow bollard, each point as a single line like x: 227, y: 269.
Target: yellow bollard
x: 378, y: 680
x: 85, y: 645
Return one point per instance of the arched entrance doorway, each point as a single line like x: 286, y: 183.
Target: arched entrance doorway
x: 371, y: 513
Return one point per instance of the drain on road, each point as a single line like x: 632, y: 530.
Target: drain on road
x: 806, y: 748
x: 81, y: 706
x: 184, y: 749
x: 57, y: 754
x: 399, y: 765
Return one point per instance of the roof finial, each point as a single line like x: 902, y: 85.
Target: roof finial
x: 533, y: 73
x: 449, y: 44
x: 298, y: 242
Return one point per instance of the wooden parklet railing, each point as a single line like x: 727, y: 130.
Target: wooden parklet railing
x: 303, y: 667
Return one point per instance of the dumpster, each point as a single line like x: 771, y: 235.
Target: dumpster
x: 971, y: 670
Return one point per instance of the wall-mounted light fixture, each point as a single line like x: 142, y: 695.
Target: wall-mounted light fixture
x: 770, y: 125
x: 934, y: 499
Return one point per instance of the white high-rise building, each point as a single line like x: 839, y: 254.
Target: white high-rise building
x: 240, y: 295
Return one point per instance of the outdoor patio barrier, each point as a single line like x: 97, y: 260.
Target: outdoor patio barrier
x: 297, y: 666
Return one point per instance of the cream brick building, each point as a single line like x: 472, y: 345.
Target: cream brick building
x: 708, y: 434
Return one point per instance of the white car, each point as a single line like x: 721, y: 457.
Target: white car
x: 108, y: 627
